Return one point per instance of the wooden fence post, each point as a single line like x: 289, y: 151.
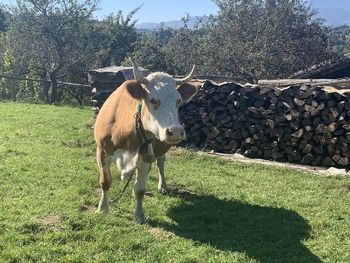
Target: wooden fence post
x: 31, y: 89
x: 13, y: 89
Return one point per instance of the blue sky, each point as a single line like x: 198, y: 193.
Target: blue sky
x: 331, y: 3
x: 167, y: 10
x: 153, y: 10
x: 159, y: 10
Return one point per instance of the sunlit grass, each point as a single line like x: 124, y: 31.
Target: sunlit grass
x: 218, y: 211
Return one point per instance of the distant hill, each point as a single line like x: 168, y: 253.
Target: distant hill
x: 172, y: 24
x: 333, y: 16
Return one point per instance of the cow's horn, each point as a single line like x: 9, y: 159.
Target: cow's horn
x: 137, y: 74
x: 186, y: 79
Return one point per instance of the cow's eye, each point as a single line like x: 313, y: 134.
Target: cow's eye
x: 155, y: 103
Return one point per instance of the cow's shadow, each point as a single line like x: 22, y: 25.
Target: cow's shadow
x: 266, y: 234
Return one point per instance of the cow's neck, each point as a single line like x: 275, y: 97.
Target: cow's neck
x: 144, y: 113
x: 145, y: 138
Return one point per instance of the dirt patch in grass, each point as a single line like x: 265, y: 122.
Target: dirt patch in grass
x: 50, y: 220
x: 87, y: 208
x: 179, y: 190
x: 160, y: 233
x: 149, y: 194
x: 176, y: 151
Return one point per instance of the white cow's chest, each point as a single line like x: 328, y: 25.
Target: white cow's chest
x: 126, y: 161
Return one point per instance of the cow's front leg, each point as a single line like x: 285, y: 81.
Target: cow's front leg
x: 162, y: 187
x: 139, y: 191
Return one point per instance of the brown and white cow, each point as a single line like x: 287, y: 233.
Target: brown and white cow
x: 117, y: 140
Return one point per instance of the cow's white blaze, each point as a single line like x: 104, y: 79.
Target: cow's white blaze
x: 164, y: 117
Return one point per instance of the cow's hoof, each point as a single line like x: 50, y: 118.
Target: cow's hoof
x: 140, y: 220
x: 102, y: 210
x: 98, y: 211
x: 163, y: 190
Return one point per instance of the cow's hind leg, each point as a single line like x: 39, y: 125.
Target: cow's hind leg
x: 104, y: 162
x: 162, y: 187
x: 139, y: 191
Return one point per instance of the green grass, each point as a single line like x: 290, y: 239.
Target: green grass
x: 218, y: 211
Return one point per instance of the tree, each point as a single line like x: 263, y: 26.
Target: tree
x: 5, y: 62
x: 339, y: 39
x: 3, y: 14
x: 183, y: 50
x: 116, y: 36
x: 263, y: 39
x: 163, y: 34
x: 48, y: 36
x: 149, y: 53
x: 170, y: 50
x: 3, y: 21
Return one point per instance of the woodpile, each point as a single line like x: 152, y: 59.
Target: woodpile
x: 302, y: 124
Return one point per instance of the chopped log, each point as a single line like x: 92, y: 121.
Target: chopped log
x: 307, y: 159
x: 343, y: 161
x: 299, y: 102
x: 334, y: 112
x: 299, y: 133
x: 327, y: 161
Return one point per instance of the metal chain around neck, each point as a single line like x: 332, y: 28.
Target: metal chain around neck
x: 146, y: 147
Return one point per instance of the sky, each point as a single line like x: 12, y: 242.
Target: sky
x: 167, y: 10
x: 153, y: 10
x: 159, y: 10
x: 331, y: 3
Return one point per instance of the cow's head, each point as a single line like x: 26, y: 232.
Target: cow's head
x: 163, y: 95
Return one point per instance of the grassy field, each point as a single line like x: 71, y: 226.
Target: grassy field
x: 218, y: 211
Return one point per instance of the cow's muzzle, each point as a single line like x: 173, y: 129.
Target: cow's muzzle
x: 174, y: 134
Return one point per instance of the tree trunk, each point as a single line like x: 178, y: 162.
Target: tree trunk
x: 45, y: 91
x: 80, y: 101
x: 13, y: 90
x: 31, y: 89
x: 53, y: 88
x: 106, y: 61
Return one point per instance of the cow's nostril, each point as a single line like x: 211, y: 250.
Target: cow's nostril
x: 169, y: 132
x: 182, y: 133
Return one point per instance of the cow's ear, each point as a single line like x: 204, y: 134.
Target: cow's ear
x: 187, y: 91
x: 135, y: 89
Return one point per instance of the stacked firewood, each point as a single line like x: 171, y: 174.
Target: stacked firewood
x: 301, y: 124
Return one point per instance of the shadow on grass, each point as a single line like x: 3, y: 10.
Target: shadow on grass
x: 266, y: 234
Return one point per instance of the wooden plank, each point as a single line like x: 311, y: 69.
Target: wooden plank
x: 42, y: 80
x: 290, y: 82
